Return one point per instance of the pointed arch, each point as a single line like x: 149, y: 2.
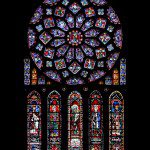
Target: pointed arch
x: 116, y: 121
x: 96, y: 138
x: 34, y: 121
x: 75, y: 121
x: 54, y: 121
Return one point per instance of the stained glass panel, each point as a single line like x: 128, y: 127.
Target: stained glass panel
x: 123, y: 71
x: 75, y: 121
x: 116, y: 121
x: 34, y: 77
x: 54, y: 121
x: 27, y: 71
x: 34, y: 121
x: 96, y: 135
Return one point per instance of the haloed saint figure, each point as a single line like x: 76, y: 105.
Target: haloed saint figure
x: 75, y: 119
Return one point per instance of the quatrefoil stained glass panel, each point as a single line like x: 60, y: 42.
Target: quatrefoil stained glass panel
x: 74, y: 37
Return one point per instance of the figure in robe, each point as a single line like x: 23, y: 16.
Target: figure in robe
x: 35, y: 124
x: 96, y: 118
x: 75, y: 118
x: 116, y: 106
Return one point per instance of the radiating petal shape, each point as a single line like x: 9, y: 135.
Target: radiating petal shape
x: 37, y: 15
x: 74, y: 81
x: 57, y: 33
x: 96, y: 75
x: 37, y: 59
x: 112, y: 59
x: 51, y: 2
x: 70, y: 55
x: 88, y: 24
x: 98, y: 2
x: 70, y: 20
x: 92, y: 42
x: 79, y: 20
x: 92, y: 33
x: 57, y: 42
x: 53, y: 75
x: 112, y: 16
x: 62, y: 50
x: 62, y: 25
x: 31, y: 38
x: 87, y: 50
x: 79, y: 55
x: 118, y: 38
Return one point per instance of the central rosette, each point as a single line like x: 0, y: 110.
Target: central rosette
x: 75, y: 38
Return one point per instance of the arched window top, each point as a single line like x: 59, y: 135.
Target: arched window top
x: 116, y: 97
x: 34, y: 98
x: 54, y: 93
x: 69, y: 40
x: 54, y: 98
x: 116, y: 102
x: 116, y: 94
x: 75, y: 97
x: 95, y: 94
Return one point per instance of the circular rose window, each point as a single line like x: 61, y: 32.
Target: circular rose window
x: 74, y: 42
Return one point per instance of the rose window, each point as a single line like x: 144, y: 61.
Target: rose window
x: 75, y: 42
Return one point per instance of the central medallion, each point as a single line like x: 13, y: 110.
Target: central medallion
x: 75, y: 38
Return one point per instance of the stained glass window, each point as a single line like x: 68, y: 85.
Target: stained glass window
x: 34, y: 121
x: 75, y: 47
x: 75, y: 121
x: 54, y: 121
x: 96, y: 136
x: 116, y: 121
x: 75, y: 42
